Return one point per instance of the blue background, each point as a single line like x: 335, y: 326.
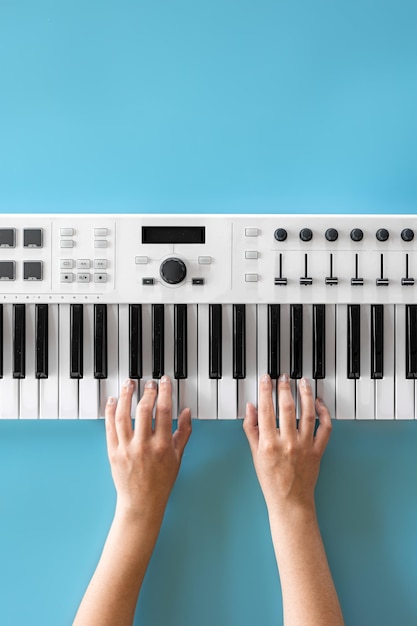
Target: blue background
x: 216, y: 106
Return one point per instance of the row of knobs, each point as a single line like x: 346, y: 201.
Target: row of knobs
x: 331, y: 234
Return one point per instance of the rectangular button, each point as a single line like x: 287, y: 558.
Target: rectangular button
x: 135, y: 341
x: 100, y: 341
x: 100, y: 278
x: 83, y: 264
x: 19, y: 339
x: 32, y: 270
x: 67, y: 243
x: 7, y: 270
x: 141, y: 260
x: 100, y: 264
x: 32, y: 237
x: 204, y: 260
x: 7, y: 237
x: 66, y: 264
x: 83, y: 278
x: 251, y: 232
x: 67, y: 277
x: 41, y: 320
x: 100, y: 243
x: 76, y: 338
x: 100, y: 232
x: 251, y: 254
x: 66, y: 232
x: 251, y: 278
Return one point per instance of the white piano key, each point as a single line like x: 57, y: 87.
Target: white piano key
x: 169, y: 342
x: 29, y: 387
x: 248, y: 387
x: 88, y: 385
x: 227, y: 385
x: 110, y: 386
x: 68, y: 387
x: 326, y: 387
x: 188, y: 387
x: 262, y: 351
x: 123, y: 340
x: 9, y: 386
x: 207, y: 387
x: 307, y: 350
x: 49, y: 387
x: 345, y: 387
x: 384, y: 388
x: 146, y: 346
x: 404, y: 388
x: 365, y: 385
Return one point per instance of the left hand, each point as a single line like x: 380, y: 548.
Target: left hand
x: 144, y: 461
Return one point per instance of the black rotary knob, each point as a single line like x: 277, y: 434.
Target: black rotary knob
x: 306, y: 234
x: 280, y: 234
x: 382, y: 234
x: 331, y: 234
x: 173, y: 271
x: 356, y: 234
x: 407, y: 234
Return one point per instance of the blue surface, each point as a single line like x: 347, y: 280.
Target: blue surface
x: 223, y: 106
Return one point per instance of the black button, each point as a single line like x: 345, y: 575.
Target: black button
x: 407, y: 234
x: 32, y: 237
x: 306, y: 234
x: 173, y: 271
x: 356, y: 234
x: 32, y: 270
x: 7, y: 237
x: 7, y: 270
x: 331, y: 234
x: 280, y: 234
x: 382, y: 234
x: 147, y: 281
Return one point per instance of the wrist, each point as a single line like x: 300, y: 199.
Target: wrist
x: 293, y: 513
x: 149, y: 514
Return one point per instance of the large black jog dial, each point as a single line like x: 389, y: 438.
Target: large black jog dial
x: 173, y: 271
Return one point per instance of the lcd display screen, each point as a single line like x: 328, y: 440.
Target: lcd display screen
x: 173, y: 234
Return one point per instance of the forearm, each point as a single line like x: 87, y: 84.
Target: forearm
x: 114, y: 588
x: 309, y: 595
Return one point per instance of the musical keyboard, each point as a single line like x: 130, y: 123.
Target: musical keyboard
x: 214, y: 301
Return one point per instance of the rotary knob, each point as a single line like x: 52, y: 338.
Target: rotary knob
x: 382, y: 234
x: 331, y: 234
x: 356, y: 234
x: 280, y: 234
x: 173, y: 271
x: 407, y: 234
x: 306, y: 234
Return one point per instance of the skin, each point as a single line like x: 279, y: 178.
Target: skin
x: 287, y: 463
x: 145, y: 462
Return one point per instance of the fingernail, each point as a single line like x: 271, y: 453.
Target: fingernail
x: 128, y: 383
x: 320, y: 400
x: 304, y: 382
x: 150, y: 384
x: 284, y: 378
x: 111, y: 400
x: 265, y: 379
x: 164, y: 379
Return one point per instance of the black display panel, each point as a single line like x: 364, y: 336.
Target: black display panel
x: 173, y: 234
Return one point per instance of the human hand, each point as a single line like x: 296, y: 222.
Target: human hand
x: 287, y: 459
x: 144, y: 461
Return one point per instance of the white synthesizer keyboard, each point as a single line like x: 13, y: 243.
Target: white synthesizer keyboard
x: 213, y: 301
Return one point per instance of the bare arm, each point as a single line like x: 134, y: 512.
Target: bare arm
x: 287, y: 463
x: 144, y: 463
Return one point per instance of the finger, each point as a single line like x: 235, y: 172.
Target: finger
x: 266, y: 415
x: 144, y: 410
x: 123, y: 420
x: 325, y: 426
x: 287, y: 420
x: 250, y: 426
x: 163, y: 411
x: 110, y: 415
x: 308, y: 411
x: 183, y: 432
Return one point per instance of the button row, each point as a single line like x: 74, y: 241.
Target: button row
x: 331, y: 234
x: 68, y: 277
x: 70, y: 243
x: 32, y: 238
x: 83, y: 264
x: 70, y: 232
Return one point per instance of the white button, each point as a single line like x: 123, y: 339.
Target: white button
x: 67, y: 264
x: 100, y: 264
x: 204, y: 260
x: 66, y: 232
x: 67, y: 243
x: 83, y: 264
x: 251, y: 254
x: 100, y: 278
x: 251, y: 232
x: 100, y: 243
x: 251, y: 278
x: 141, y: 260
x: 67, y: 278
x: 100, y: 232
x: 83, y: 278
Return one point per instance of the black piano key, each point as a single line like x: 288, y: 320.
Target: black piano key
x: 239, y: 341
x: 157, y: 340
x: 100, y: 341
x: 411, y: 340
x: 1, y: 341
x: 41, y: 322
x: 274, y: 316
x: 180, y: 341
x: 296, y: 340
x: 135, y: 341
x: 19, y: 337
x: 353, y: 341
x: 377, y: 341
x: 76, y: 339
x: 215, y: 341
x: 319, y: 341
